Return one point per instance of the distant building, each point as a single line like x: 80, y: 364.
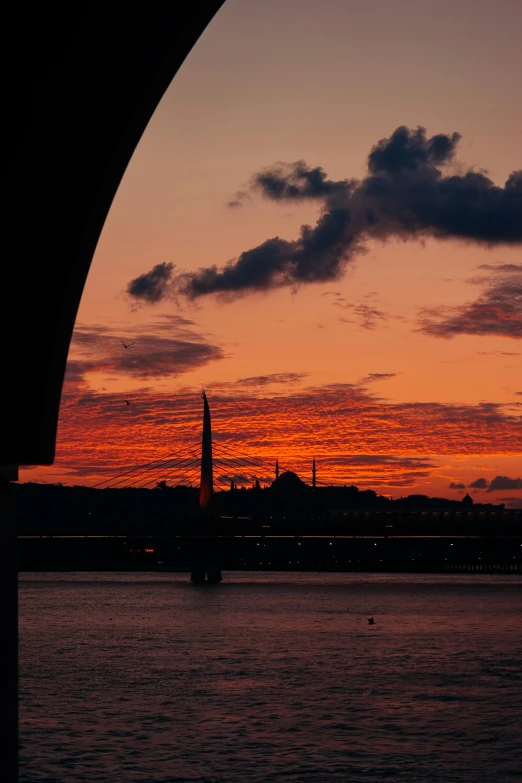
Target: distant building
x: 467, y: 500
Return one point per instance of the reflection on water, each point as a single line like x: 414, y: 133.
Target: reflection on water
x: 270, y: 677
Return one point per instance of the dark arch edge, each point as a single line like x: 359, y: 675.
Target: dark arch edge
x: 80, y: 89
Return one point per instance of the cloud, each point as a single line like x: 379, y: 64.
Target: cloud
x: 505, y: 268
x: 480, y: 483
x: 499, y: 353
x: 497, y: 311
x: 385, y: 470
x: 380, y: 459
x: 75, y: 372
x: 366, y: 316
x: 152, y: 286
x: 408, y: 150
x: 318, y: 255
x: 168, y: 347
x: 278, y: 377
x: 511, y: 502
x: 238, y: 200
x: 379, y: 376
x: 405, y: 195
x: 504, y: 482
x: 357, y: 436
x: 456, y: 486
x: 298, y: 182
x: 259, y: 382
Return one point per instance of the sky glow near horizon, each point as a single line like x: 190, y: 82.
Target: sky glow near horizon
x: 403, y: 373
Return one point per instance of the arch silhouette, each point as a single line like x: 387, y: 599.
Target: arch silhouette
x: 79, y: 89
x: 81, y: 93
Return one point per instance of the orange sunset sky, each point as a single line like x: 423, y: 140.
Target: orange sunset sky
x: 390, y: 350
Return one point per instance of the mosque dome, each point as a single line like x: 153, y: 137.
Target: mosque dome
x: 289, y: 479
x: 289, y: 483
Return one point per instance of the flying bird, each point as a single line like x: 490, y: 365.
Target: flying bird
x: 128, y: 403
x: 126, y: 345
x: 371, y: 621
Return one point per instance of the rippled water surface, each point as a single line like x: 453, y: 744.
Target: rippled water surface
x: 270, y: 677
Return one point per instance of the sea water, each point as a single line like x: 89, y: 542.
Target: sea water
x: 270, y: 677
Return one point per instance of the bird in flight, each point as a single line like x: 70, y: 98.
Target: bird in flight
x: 371, y: 621
x: 128, y: 403
x: 126, y: 345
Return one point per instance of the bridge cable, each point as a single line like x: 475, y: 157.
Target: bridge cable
x: 168, y: 458
x: 186, y: 454
x: 188, y: 467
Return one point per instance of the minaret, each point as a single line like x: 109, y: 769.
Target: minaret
x: 313, y: 473
x: 277, y: 469
x: 206, y: 485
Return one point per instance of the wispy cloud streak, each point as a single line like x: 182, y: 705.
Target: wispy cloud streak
x: 496, y: 311
x: 166, y: 348
x: 356, y: 436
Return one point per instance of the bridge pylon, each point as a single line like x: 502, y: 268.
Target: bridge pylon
x: 206, y: 487
x: 205, y: 566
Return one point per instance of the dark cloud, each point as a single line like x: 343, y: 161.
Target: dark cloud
x: 318, y: 255
x: 170, y: 323
x: 238, y: 478
x: 480, y: 483
x: 499, y: 353
x: 504, y: 482
x: 277, y: 377
x: 502, y: 268
x: 366, y: 316
x: 400, y: 483
x: 378, y: 469
x: 167, y: 348
x: 152, y: 286
x: 75, y: 372
x: 298, y: 182
x: 405, y: 195
x: 260, y: 385
x: 379, y: 376
x: 163, y: 357
x: 497, y: 311
x: 519, y: 393
x: 511, y: 502
x: 380, y: 459
x: 238, y: 200
x: 408, y: 150
x: 457, y: 486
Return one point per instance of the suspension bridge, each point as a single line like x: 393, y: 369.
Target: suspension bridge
x: 183, y: 468
x: 281, y: 522
x: 212, y: 466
